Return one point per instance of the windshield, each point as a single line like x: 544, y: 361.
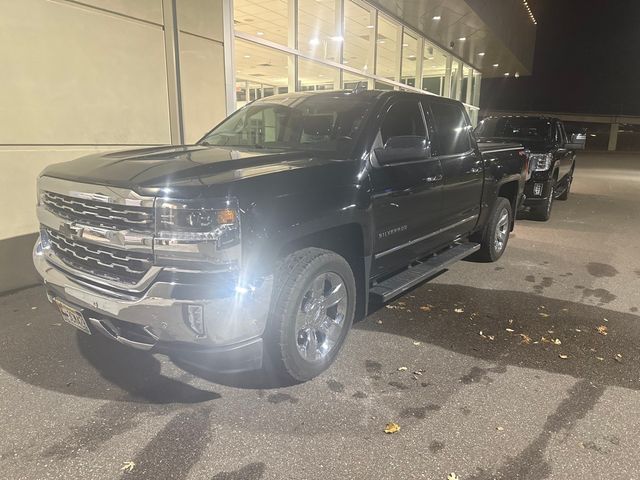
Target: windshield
x: 323, y: 123
x: 514, y: 128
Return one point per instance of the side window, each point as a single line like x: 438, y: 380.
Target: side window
x: 565, y: 137
x: 403, y: 118
x: 452, y: 128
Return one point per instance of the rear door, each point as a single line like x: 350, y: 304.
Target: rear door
x: 462, y: 166
x: 406, y: 196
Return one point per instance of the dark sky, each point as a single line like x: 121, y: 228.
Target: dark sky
x: 587, y: 60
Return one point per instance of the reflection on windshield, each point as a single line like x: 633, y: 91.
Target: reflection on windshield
x: 514, y: 127
x: 324, y: 123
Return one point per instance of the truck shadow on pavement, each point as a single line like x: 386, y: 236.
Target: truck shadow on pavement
x: 504, y: 327
x: 519, y: 329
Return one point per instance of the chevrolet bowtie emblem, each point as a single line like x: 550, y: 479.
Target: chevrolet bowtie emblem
x: 70, y: 230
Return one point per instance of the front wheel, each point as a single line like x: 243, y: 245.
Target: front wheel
x: 496, y: 233
x: 312, y: 310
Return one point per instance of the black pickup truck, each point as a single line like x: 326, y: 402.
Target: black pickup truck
x: 267, y: 238
x: 552, y: 156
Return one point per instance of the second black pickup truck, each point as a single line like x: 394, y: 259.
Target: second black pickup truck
x: 551, y: 152
x: 270, y: 236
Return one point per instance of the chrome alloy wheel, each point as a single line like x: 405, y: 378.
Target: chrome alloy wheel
x: 321, y: 316
x: 502, y: 231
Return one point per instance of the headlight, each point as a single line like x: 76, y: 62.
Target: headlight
x: 540, y: 162
x: 203, y: 231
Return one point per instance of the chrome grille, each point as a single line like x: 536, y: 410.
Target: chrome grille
x: 101, y: 261
x: 100, y: 214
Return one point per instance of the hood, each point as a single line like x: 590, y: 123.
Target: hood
x: 186, y: 168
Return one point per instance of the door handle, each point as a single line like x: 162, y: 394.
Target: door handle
x: 474, y: 170
x: 433, y: 179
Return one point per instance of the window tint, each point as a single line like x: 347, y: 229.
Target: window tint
x: 452, y: 135
x: 515, y: 128
x: 403, y: 118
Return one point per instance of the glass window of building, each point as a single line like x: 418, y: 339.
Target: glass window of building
x: 359, y: 24
x: 456, y: 68
x: 268, y: 20
x: 353, y: 80
x: 260, y: 72
x: 319, y: 32
x: 467, y: 84
x: 387, y: 51
x: 434, y: 66
x: 313, y: 76
x: 409, y: 59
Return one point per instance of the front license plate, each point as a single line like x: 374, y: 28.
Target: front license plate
x: 72, y: 316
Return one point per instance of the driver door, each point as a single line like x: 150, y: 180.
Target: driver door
x: 406, y: 195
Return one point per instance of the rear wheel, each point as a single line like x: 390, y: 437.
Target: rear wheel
x: 496, y: 233
x: 311, y: 313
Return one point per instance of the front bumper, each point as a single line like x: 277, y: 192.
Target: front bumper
x: 234, y: 318
x: 536, y: 191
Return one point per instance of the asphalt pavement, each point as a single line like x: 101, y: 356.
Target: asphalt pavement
x: 523, y: 369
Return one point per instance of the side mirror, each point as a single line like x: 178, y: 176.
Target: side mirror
x: 577, y: 141
x: 405, y: 148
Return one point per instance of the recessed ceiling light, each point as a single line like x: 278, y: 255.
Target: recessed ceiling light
x: 314, y: 41
x: 481, y: 54
x: 496, y: 65
x: 437, y: 17
x: 462, y: 39
x: 260, y: 33
x: 337, y: 38
x: 405, y: 44
x: 247, y: 56
x: 370, y: 26
x: 380, y: 41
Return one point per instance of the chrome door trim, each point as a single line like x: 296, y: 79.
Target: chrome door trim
x: 425, y: 237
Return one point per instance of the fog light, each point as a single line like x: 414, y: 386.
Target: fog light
x: 195, y: 319
x: 537, y: 189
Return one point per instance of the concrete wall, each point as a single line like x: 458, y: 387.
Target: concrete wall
x: 92, y: 75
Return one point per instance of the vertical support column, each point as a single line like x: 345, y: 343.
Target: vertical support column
x: 373, y: 47
x: 172, y: 59
x: 476, y: 89
x: 419, y: 60
x: 339, y: 33
x: 292, y: 42
x: 399, y: 40
x: 613, y: 137
x: 446, y: 92
x: 469, y: 86
x: 460, y: 75
x: 229, y: 56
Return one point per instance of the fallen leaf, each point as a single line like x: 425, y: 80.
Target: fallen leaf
x: 578, y: 330
x: 563, y: 356
x: 128, y: 467
x: 402, y: 369
x: 542, y: 314
x: 557, y: 342
x: 392, y: 428
x: 425, y: 308
x: 500, y: 429
x: 526, y: 339
x: 402, y: 304
x: 418, y: 372
x: 510, y: 330
x: 482, y: 334
x: 416, y: 343
x: 511, y: 321
x: 458, y: 310
x: 602, y: 329
x: 550, y: 332
x: 600, y: 358
x: 605, y: 319
x: 618, y: 358
x: 453, y: 476
x: 34, y: 308
x: 379, y: 322
x: 545, y: 340
x: 491, y: 337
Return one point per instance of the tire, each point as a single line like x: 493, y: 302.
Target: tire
x: 543, y: 212
x: 496, y: 233
x: 306, y: 329
x: 565, y: 194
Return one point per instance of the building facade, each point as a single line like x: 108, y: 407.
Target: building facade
x: 83, y: 76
